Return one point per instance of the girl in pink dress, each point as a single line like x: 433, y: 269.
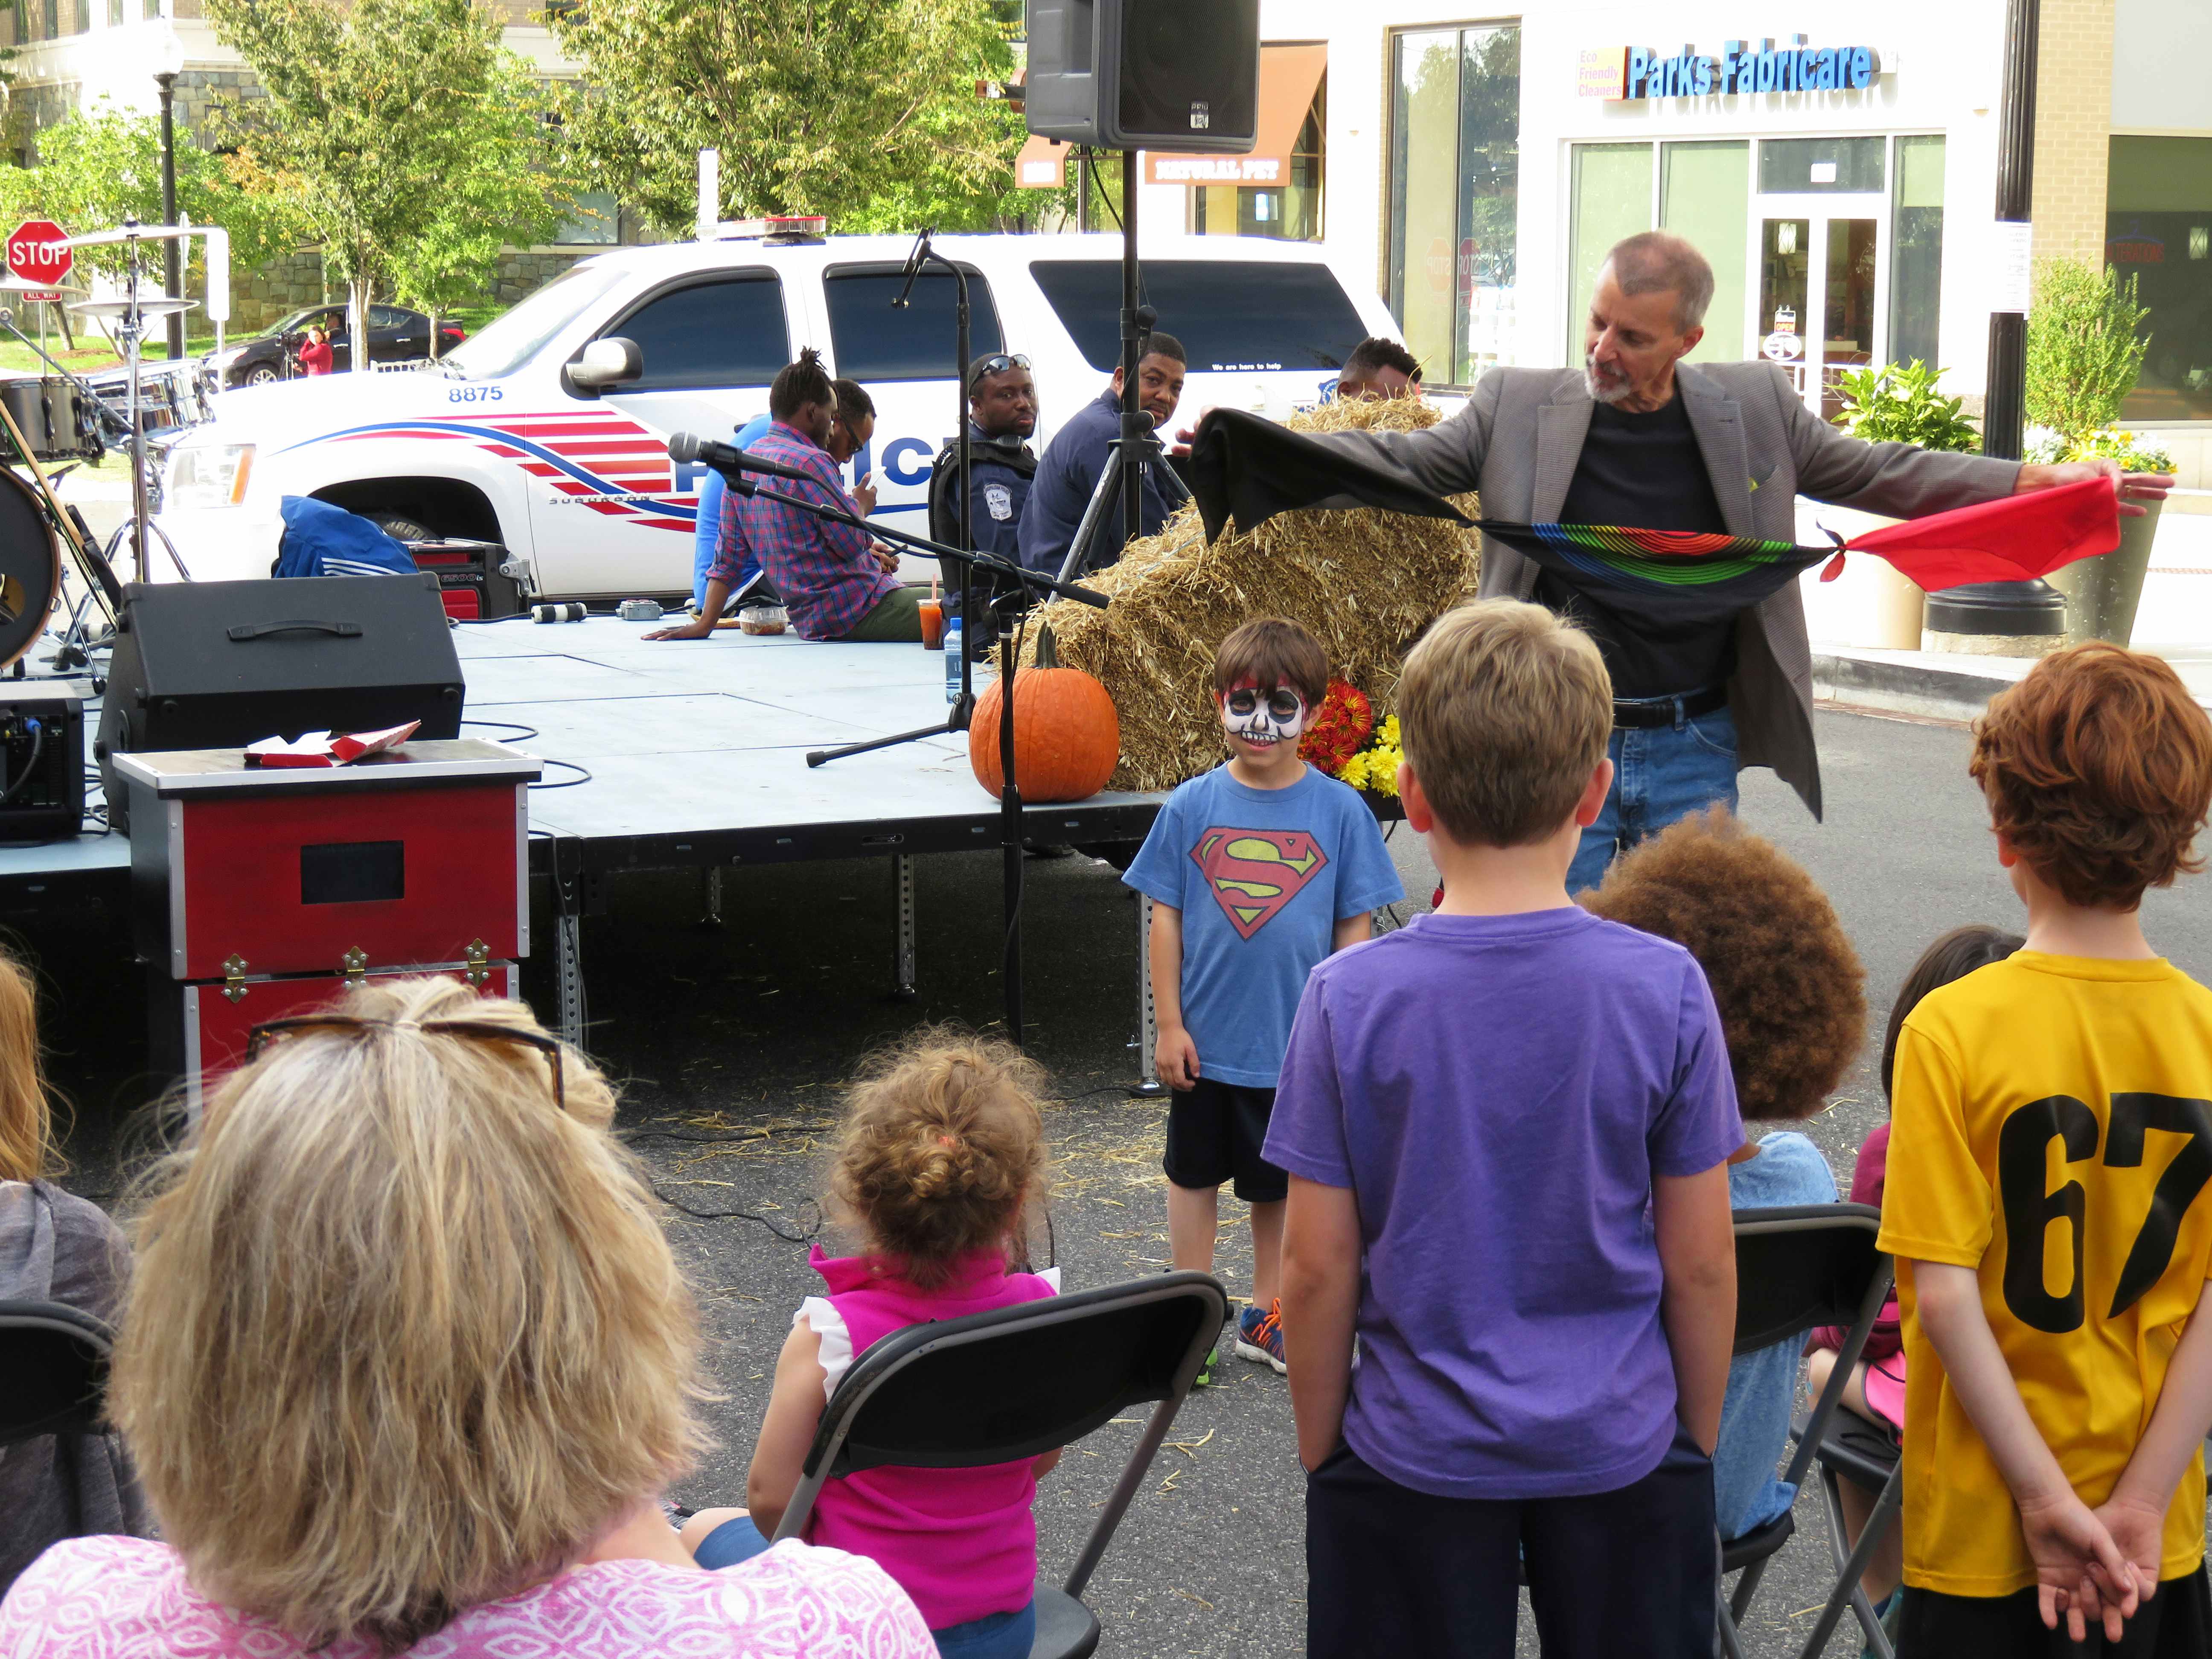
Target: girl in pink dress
x: 942, y: 1152
x: 406, y: 1367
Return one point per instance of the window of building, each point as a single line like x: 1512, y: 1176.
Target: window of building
x: 1916, y: 251
x: 1232, y: 315
x: 1797, y: 245
x: 731, y: 331
x: 1612, y: 199
x: 53, y: 21
x: 1455, y: 189
x: 594, y: 217
x: 1704, y: 194
x: 2158, y: 229
x: 114, y: 14
x: 1290, y: 212
x: 875, y: 341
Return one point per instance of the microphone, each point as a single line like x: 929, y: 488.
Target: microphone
x: 726, y: 458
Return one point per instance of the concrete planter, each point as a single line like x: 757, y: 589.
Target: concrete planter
x: 2102, y: 593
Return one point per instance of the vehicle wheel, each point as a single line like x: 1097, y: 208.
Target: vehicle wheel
x: 400, y: 527
x: 261, y: 374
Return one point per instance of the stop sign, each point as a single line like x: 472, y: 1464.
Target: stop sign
x: 36, y: 251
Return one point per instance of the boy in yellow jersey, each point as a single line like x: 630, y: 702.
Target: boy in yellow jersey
x: 2046, y: 1203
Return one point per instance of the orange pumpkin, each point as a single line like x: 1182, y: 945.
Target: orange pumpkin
x: 1068, y: 739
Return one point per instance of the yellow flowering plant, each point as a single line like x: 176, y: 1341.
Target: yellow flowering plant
x: 1375, y: 767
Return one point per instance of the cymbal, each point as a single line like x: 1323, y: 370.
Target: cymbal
x: 151, y: 305
x: 13, y: 284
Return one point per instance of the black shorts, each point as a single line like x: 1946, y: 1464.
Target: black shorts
x: 1629, y: 1574
x: 2174, y: 1624
x: 1215, y: 1131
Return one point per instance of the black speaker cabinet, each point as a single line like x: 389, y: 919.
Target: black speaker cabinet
x: 1173, y: 75
x: 220, y: 665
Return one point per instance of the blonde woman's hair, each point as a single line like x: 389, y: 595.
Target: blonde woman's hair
x: 943, y: 1147
x: 1504, y: 711
x: 27, y: 1151
x: 402, y: 1337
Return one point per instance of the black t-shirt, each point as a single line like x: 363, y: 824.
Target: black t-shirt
x: 1643, y: 472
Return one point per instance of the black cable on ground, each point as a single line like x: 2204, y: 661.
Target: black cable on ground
x: 779, y: 1230
x: 524, y: 733
x: 583, y: 775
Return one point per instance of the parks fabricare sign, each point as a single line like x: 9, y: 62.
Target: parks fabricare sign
x: 1638, y: 72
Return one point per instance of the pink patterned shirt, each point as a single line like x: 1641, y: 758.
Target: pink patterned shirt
x: 126, y: 1598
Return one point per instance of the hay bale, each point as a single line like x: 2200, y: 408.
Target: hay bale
x: 1366, y: 582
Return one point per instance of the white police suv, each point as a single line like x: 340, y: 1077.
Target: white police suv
x: 527, y: 437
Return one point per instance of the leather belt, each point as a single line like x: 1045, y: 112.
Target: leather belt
x: 1648, y: 713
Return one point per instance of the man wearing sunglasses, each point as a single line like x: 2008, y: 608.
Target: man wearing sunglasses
x: 1002, y: 411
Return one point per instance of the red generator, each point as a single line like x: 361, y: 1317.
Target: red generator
x: 473, y: 582
x: 260, y: 892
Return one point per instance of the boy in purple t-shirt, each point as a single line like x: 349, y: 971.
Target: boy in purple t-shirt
x: 1506, y: 1128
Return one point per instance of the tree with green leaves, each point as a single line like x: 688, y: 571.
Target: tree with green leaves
x: 2086, y: 340
x: 863, y: 109
x: 102, y: 164
x: 406, y: 138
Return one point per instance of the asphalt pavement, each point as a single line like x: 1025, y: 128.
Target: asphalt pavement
x: 731, y: 1043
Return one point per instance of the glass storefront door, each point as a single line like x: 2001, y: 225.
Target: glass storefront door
x: 1822, y: 283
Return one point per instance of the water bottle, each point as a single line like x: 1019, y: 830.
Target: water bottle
x: 955, y: 644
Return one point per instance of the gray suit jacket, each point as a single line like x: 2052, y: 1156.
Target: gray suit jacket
x: 1517, y: 441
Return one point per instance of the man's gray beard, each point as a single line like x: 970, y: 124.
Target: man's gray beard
x: 1599, y: 392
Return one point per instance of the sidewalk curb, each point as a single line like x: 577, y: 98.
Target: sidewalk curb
x: 1866, y: 682
x: 1879, y: 680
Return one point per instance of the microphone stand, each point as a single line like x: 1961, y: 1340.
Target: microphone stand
x: 1010, y: 798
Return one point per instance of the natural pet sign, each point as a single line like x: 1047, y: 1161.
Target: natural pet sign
x: 1739, y: 67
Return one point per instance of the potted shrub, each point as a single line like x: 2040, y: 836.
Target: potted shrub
x: 1901, y: 404
x: 2085, y: 347
x: 2102, y: 593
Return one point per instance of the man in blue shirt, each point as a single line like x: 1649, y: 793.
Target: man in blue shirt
x: 1002, y: 411
x: 855, y: 423
x: 1074, y: 459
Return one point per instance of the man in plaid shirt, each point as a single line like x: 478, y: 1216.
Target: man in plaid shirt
x: 834, y: 584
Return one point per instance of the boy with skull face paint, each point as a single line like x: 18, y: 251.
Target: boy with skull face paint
x: 1257, y: 871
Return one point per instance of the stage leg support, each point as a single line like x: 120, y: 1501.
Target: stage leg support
x: 710, y: 898
x: 569, y: 937
x: 1148, y: 1085
x: 903, y: 975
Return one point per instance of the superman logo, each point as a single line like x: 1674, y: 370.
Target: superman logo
x: 1254, y: 873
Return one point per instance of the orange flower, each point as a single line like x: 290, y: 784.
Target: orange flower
x: 1340, y: 725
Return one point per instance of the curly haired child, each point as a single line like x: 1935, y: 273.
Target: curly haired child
x: 1792, y: 1002
x: 941, y: 1156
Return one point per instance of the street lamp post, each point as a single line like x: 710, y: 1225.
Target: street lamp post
x: 172, y: 252
x: 2032, y: 610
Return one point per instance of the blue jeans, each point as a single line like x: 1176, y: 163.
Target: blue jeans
x: 1660, y: 773
x: 996, y: 1636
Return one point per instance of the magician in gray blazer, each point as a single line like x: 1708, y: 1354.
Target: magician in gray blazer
x: 1516, y: 441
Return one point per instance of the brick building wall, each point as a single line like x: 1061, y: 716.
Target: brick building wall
x: 2073, y: 129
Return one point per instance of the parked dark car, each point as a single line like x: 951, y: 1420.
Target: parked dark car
x: 396, y: 335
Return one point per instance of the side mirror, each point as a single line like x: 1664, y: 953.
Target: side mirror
x: 607, y: 362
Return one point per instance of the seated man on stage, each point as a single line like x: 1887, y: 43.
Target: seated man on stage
x: 1002, y: 411
x: 833, y: 582
x: 1079, y: 452
x: 1378, y: 369
x: 855, y: 424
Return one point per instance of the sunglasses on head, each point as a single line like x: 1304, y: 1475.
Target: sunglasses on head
x: 269, y: 1033
x: 1282, y: 703
x: 998, y: 364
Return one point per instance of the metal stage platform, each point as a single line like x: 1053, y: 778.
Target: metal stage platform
x: 692, y: 756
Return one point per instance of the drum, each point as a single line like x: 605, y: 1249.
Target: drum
x: 56, y: 420
x: 30, y: 568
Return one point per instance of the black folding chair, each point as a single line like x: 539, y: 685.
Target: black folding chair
x: 995, y: 1387
x: 1796, y: 1267
x: 1851, y: 1448
x: 55, y: 1359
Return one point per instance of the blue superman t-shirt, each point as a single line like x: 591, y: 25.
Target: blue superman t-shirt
x: 1262, y: 876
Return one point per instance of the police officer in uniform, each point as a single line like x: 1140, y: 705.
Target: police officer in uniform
x: 1002, y: 411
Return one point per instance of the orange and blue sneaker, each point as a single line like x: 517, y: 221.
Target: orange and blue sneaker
x: 1260, y: 1336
